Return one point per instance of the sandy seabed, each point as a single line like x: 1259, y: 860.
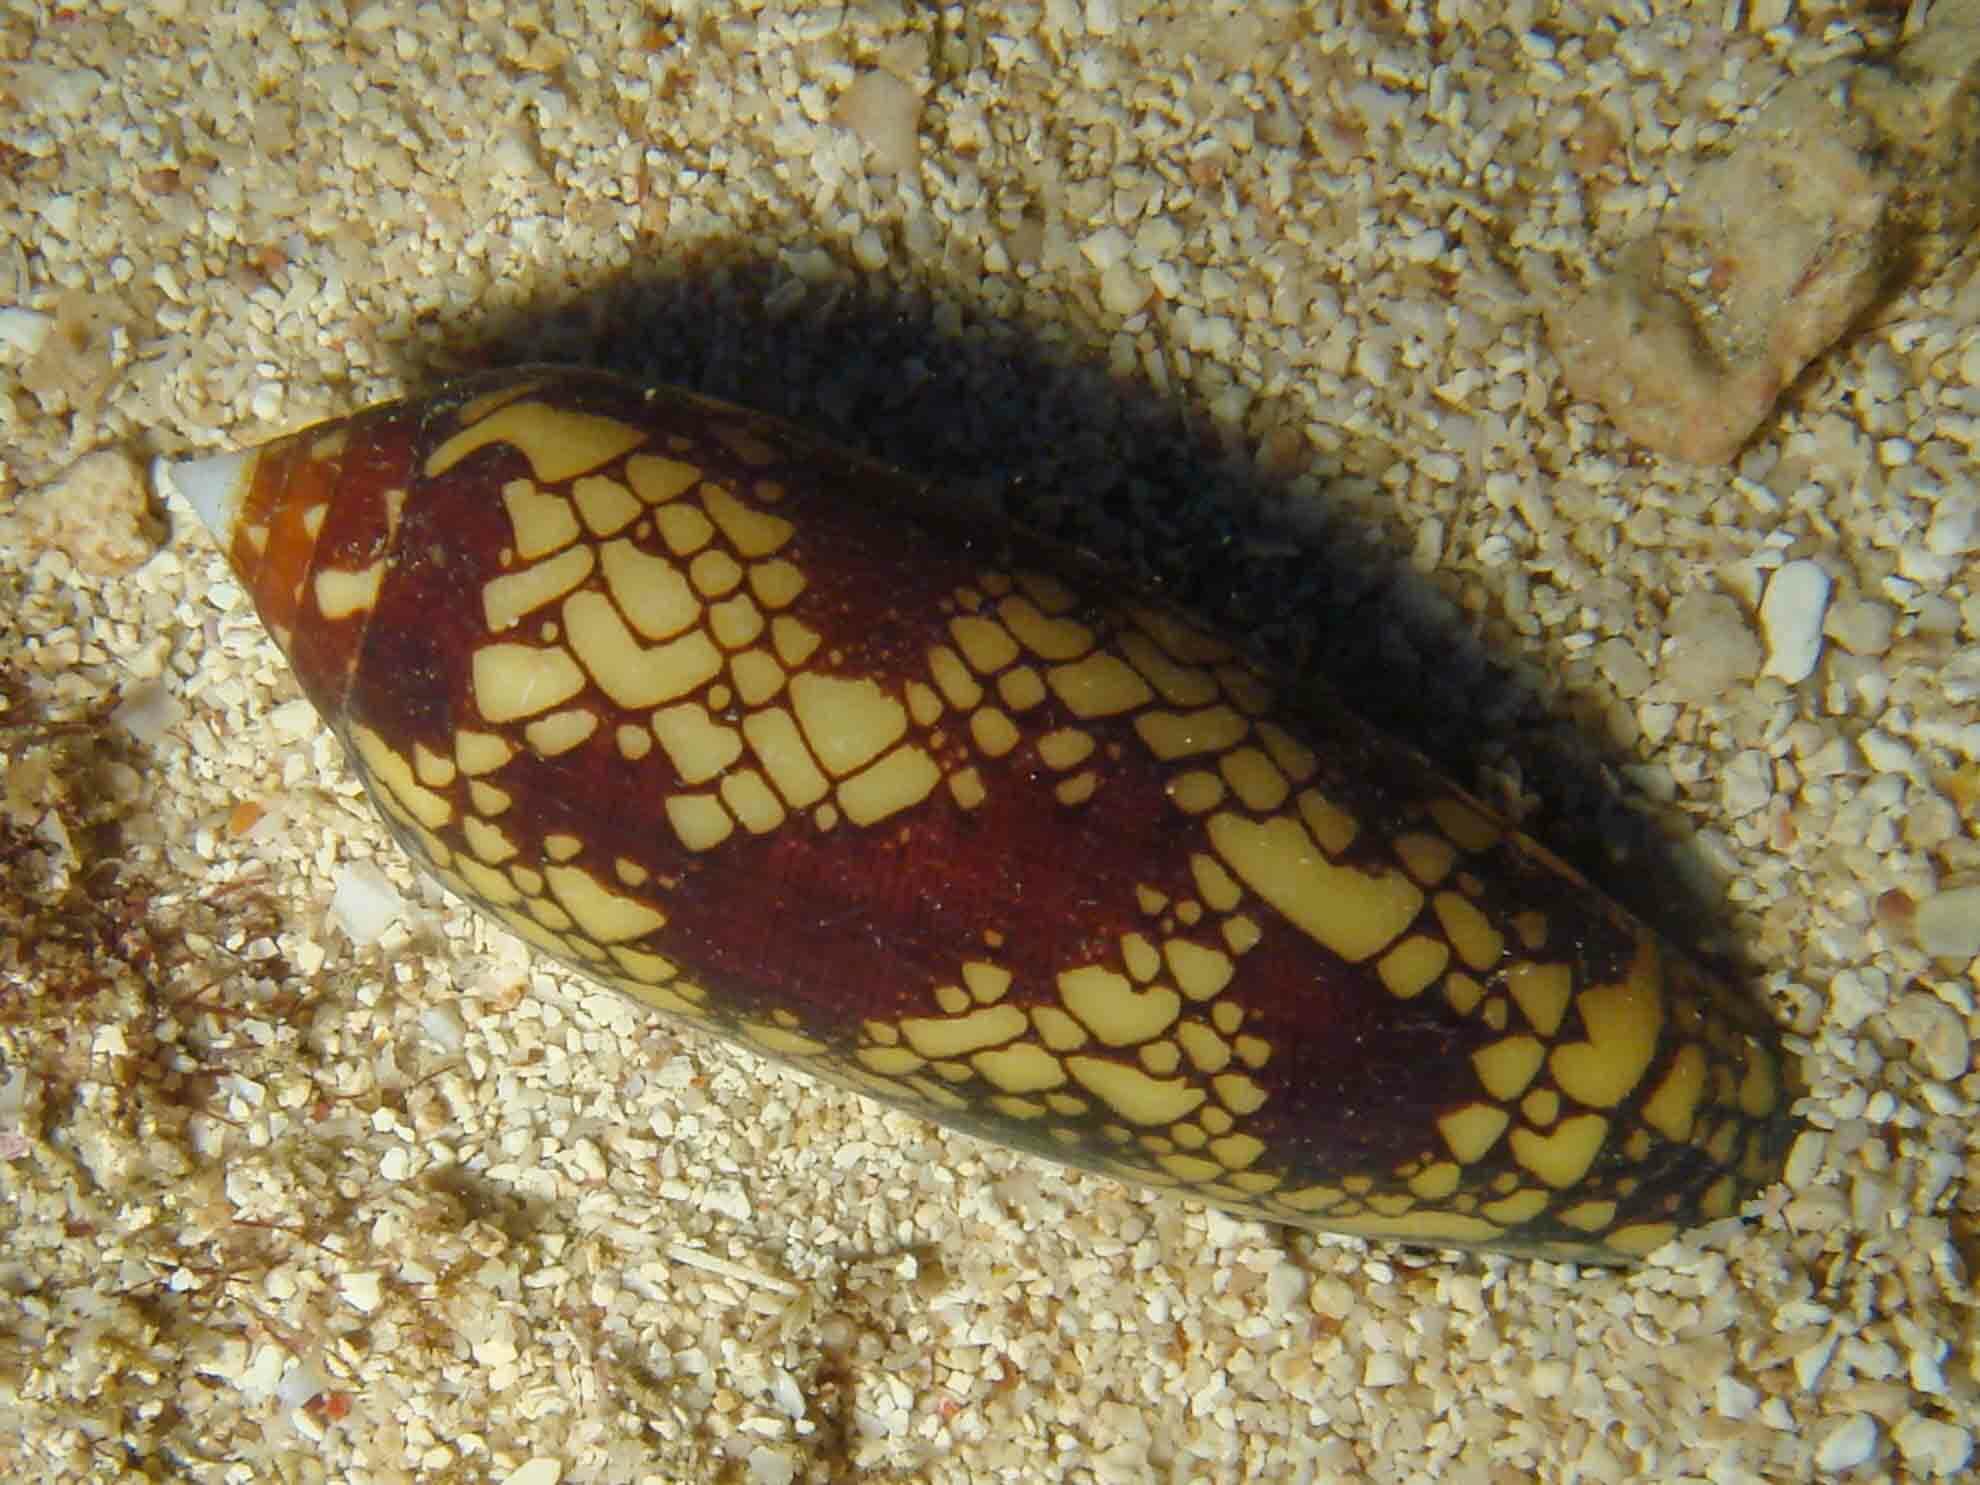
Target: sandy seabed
x: 1246, y: 297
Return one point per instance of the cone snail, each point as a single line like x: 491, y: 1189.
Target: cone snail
x: 767, y: 737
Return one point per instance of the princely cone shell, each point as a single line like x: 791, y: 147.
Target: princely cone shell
x: 761, y: 734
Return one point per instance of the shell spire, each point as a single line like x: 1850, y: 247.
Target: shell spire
x: 213, y: 487
x: 743, y: 726
x: 305, y: 522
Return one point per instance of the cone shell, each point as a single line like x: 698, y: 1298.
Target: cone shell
x: 767, y: 737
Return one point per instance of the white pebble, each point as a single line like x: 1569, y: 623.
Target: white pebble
x: 266, y: 401
x: 1748, y: 783
x: 1105, y: 248
x: 361, y: 1290
x: 1805, y: 1159
x: 1870, y: 1201
x: 61, y: 213
x: 870, y: 250
x: 365, y: 902
x: 304, y: 1379
x: 1916, y: 565
x: 1791, y: 620
x: 1886, y: 754
x: 1710, y: 648
x: 1374, y: 363
x: 24, y: 330
x: 1549, y: 1378
x: 1735, y: 1399
x: 512, y: 153
x: 1426, y: 247
x: 1122, y: 290
x: 885, y: 113
x: 1854, y: 996
x: 1658, y: 719
x: 148, y: 711
x: 1937, y: 1033
x: 1932, y: 1447
x: 1928, y: 1353
x: 1813, y: 1359
x: 69, y: 90
x: 261, y: 1376
x: 1959, y: 677
x: 1863, y: 626
x: 788, y: 1395
x: 1947, y: 925
x: 1955, y: 527
x: 1936, y: 1172
x: 444, y: 1025
x: 1847, y: 1445
x: 1157, y: 237
x: 541, y: 1470
x: 1376, y: 104
x: 1624, y: 668
x: 770, y: 1465
x: 1384, y: 1370
x: 294, y: 719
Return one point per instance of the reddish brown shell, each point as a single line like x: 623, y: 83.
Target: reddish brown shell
x: 750, y: 729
